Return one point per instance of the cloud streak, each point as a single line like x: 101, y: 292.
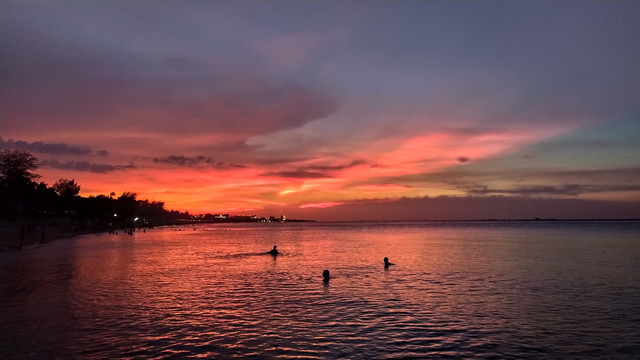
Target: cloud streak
x: 551, y: 190
x: 298, y: 174
x: 40, y: 147
x: 84, y: 166
x: 194, y: 161
x: 315, y: 171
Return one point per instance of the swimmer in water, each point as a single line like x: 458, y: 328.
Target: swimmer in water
x: 325, y: 276
x: 387, y: 263
x: 273, y: 251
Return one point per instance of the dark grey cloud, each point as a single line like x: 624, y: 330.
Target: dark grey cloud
x: 334, y: 167
x: 468, y: 208
x: 85, y: 166
x: 193, y: 161
x: 50, y: 148
x: 54, y: 80
x: 298, y: 174
x: 550, y: 190
x: 314, y: 171
x: 469, y: 177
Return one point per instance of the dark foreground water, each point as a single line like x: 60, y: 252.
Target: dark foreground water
x: 458, y: 290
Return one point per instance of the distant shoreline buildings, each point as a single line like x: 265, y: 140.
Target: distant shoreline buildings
x: 227, y: 218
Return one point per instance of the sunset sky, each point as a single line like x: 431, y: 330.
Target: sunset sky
x: 334, y: 111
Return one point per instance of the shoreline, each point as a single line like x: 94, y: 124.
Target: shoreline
x: 19, y: 233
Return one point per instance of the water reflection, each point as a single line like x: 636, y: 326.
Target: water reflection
x: 475, y: 291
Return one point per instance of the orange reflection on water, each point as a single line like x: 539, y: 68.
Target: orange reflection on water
x: 459, y: 288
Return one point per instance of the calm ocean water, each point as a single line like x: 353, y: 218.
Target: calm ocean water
x: 458, y: 290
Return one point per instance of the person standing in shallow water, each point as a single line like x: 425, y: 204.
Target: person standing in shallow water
x: 273, y: 251
x: 325, y: 276
x: 387, y: 263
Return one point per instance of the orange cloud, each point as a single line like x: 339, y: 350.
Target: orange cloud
x: 321, y: 205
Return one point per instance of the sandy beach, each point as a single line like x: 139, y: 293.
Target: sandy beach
x: 24, y: 232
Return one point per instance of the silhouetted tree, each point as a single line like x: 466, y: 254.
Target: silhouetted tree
x: 127, y: 207
x: 16, y: 168
x: 66, y: 188
x: 17, y: 180
x: 152, y: 212
x: 103, y: 206
x: 48, y: 201
x: 20, y: 195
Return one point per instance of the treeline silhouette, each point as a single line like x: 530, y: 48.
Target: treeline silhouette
x: 22, y: 196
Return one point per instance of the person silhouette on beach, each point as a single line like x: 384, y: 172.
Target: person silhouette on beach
x: 325, y: 276
x: 273, y: 251
x: 387, y: 263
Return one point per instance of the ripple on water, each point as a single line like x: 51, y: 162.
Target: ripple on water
x: 452, y: 294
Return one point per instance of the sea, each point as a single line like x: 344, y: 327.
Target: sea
x: 458, y: 290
